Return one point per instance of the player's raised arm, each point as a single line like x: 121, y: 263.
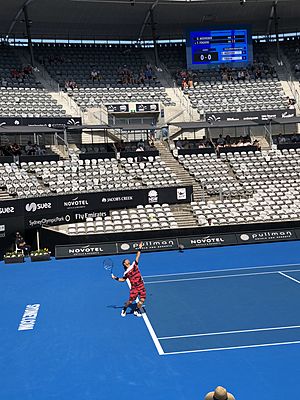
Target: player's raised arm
x: 138, y: 254
x: 118, y: 279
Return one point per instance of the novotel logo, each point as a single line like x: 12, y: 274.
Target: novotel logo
x: 75, y: 203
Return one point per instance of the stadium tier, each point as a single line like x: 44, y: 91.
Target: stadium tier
x: 228, y: 89
x: 21, y: 94
x: 103, y: 75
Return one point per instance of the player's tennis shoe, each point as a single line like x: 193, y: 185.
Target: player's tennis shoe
x: 137, y: 313
x: 123, y: 313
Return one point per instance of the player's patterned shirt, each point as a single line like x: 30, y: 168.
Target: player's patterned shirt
x: 134, y: 275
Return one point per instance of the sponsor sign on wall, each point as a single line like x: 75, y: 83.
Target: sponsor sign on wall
x: 266, y: 236
x: 118, y: 108
x: 208, y: 241
x: 85, y: 250
x: 147, y: 107
x: 56, y: 210
x: 148, y: 245
x: 50, y: 122
x: 256, y: 116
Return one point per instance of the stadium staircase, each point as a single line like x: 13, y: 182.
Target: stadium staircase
x: 177, y: 168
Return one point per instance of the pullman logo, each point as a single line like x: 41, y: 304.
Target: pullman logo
x: 33, y: 207
x: 267, y: 236
x: 153, y: 196
x: 148, y: 245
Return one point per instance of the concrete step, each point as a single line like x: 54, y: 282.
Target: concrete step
x: 183, y: 175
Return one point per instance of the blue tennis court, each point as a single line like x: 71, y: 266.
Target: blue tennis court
x: 217, y: 316
x: 224, y: 309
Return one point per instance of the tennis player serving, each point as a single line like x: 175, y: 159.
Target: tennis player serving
x: 137, y: 287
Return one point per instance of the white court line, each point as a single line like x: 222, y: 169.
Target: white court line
x: 223, y: 270
x: 216, y: 277
x: 150, y: 328
x: 289, y: 277
x: 232, y: 348
x: 230, y: 332
x: 152, y: 334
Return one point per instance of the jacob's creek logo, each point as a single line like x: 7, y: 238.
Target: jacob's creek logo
x: 75, y: 203
x: 153, y: 196
x: 32, y: 207
x: 266, y: 235
x: 116, y: 199
x: 7, y: 210
x: 287, y: 115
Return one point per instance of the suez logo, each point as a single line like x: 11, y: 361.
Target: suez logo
x: 32, y: 207
x: 75, y: 203
x: 266, y: 235
x: 7, y: 210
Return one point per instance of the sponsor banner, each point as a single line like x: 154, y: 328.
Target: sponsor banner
x: 56, y: 210
x: 37, y: 221
x: 266, y: 236
x: 256, y: 116
x: 208, y: 241
x: 147, y: 107
x: 40, y: 205
x: 148, y: 245
x: 10, y: 208
x: 118, y: 108
x: 85, y: 250
x: 50, y: 122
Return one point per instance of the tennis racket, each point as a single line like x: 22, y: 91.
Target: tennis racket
x: 108, y: 265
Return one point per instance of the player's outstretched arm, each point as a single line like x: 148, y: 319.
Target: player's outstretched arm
x: 138, y: 254
x: 117, y: 279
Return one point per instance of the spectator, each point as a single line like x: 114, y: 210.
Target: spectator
x: 190, y: 82
x: 94, y: 75
x: 140, y: 145
x: 256, y: 143
x: 148, y: 74
x: 29, y: 148
x: 164, y: 132
x: 221, y: 140
x: 184, y: 84
x: 281, y: 139
x: 294, y: 138
x: 220, y: 393
x: 179, y: 144
x: 16, y: 149
x: 21, y: 244
x: 186, y: 144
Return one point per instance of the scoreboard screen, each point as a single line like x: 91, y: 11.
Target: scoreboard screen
x: 225, y: 46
